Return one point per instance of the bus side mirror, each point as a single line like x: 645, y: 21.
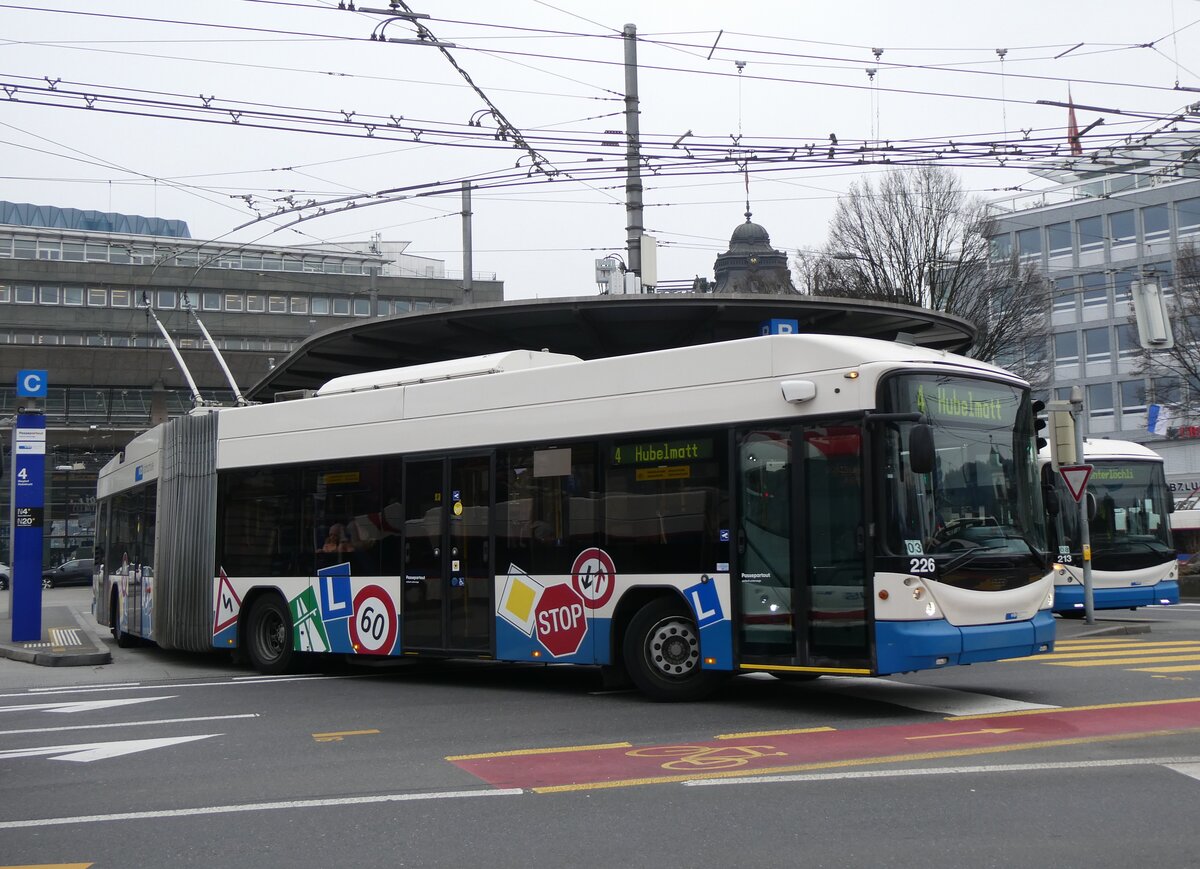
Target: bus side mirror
x: 921, y: 453
x: 1092, y: 507
x: 1050, y: 496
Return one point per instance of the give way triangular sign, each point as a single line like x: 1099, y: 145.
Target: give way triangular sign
x: 1076, y: 478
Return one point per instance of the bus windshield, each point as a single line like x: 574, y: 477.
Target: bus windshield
x: 982, y: 496
x: 1131, y: 523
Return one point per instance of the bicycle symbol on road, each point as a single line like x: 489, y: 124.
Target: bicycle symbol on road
x: 693, y: 757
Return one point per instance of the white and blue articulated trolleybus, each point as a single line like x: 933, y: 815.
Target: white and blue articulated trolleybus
x: 1134, y: 562
x: 796, y: 504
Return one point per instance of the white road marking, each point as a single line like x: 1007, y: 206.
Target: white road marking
x: 1168, y: 762
x: 100, y: 685
x: 1188, y: 769
x: 924, y: 698
x: 253, y: 680
x: 87, y: 752
x: 129, y: 724
x: 283, y: 805
x: 82, y: 705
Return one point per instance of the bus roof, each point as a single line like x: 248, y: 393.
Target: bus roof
x: 1101, y: 449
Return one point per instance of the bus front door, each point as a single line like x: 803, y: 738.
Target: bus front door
x: 802, y: 548
x: 447, y: 564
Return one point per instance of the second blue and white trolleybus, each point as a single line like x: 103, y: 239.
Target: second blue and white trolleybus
x: 797, y: 504
x: 1133, y: 558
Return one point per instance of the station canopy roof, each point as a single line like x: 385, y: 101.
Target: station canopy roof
x: 592, y: 327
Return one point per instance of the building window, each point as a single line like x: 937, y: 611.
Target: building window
x: 255, y: 304
x: 1127, y: 341
x: 292, y: 264
x: 1058, y: 238
x: 95, y: 340
x: 272, y: 263
x: 73, y: 251
x: 73, y: 338
x: 1091, y: 234
x: 166, y: 300
x: 120, y: 298
x: 320, y: 305
x: 49, y: 249
x: 1187, y: 213
x: 24, y: 338
x: 1095, y: 292
x: 341, y: 306
x: 1166, y: 390
x: 73, y: 296
x: 1122, y: 279
x: 402, y: 305
x: 1029, y: 242
x: 1066, y: 348
x: 96, y: 253
x: 1133, y: 396
x: 1156, y: 224
x: 24, y: 294
x: 25, y: 248
x: 5, y: 247
x: 383, y: 308
x: 362, y: 307
x: 299, y: 304
x: 97, y: 297
x: 1097, y: 344
x: 1122, y: 229
x: 1100, y: 400
x: 48, y: 294
x: 278, y: 304
x: 210, y: 301
x: 233, y: 302
x: 5, y: 293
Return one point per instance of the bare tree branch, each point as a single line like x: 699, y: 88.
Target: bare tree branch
x: 916, y: 238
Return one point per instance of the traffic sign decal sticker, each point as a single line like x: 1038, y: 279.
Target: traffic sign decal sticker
x: 593, y: 576
x: 374, y: 625
x: 228, y: 605
x: 560, y: 620
x: 518, y: 602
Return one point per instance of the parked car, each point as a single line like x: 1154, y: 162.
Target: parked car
x: 75, y: 572
x: 5, y: 576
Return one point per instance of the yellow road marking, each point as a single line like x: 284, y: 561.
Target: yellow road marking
x: 968, y: 732
x: 337, y: 737
x: 523, y: 751
x: 1177, y: 668
x: 1176, y: 645
x: 1084, y: 641
x: 859, y: 761
x: 757, y: 733
x: 767, y: 668
x: 52, y: 866
x: 1132, y: 704
x: 1118, y: 662
x: 1127, y: 650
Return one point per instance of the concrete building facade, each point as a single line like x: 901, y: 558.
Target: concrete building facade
x: 1104, y: 225
x: 73, y: 294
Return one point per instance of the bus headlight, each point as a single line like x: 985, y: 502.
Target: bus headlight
x: 1048, y: 603
x: 931, y: 609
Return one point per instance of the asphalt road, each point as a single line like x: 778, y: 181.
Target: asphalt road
x: 1090, y: 758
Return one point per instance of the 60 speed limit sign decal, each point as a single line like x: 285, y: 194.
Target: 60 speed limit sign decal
x: 373, y: 625
x: 593, y: 576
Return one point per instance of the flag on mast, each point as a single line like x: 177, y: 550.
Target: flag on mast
x: 1073, y: 127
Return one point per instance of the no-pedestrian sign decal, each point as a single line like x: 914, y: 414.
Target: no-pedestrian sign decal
x: 1076, y: 478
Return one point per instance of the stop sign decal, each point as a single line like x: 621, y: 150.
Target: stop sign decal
x: 561, y: 625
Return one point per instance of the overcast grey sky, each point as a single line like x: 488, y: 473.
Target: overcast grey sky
x: 394, y: 116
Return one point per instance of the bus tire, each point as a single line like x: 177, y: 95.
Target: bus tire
x: 123, y: 640
x: 662, y: 653
x: 269, y: 635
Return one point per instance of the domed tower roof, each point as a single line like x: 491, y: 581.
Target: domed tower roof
x: 751, y: 265
x: 749, y: 235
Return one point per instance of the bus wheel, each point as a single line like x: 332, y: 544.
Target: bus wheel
x: 123, y: 640
x: 662, y: 653
x: 269, y: 635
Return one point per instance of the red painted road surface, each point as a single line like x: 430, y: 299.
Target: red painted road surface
x: 570, y: 768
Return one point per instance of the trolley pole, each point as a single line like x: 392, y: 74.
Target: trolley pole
x: 1085, y: 532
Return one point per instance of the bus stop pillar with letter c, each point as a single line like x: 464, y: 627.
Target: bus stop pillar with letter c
x: 28, y: 503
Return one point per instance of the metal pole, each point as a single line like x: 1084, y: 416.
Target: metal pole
x: 1085, y: 533
x: 633, y: 174
x: 468, y: 266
